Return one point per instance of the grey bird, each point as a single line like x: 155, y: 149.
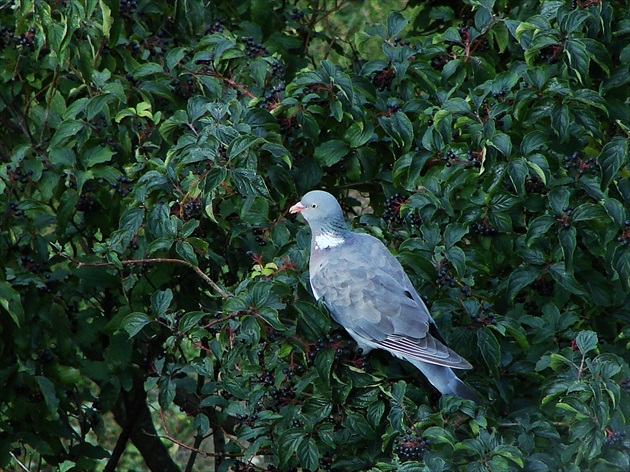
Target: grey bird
x: 368, y: 292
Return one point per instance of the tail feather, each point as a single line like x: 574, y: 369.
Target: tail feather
x: 445, y: 380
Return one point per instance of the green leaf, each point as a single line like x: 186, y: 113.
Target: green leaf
x: 586, y: 341
x: 453, y: 234
x: 395, y: 23
x: 11, y: 302
x: 167, y: 392
x: 559, y: 199
x: 359, y: 133
x: 456, y: 256
x: 568, y: 242
x: 578, y: 58
x: 240, y: 145
x: 522, y: 277
x: 490, y: 349
x: 538, y: 227
x: 146, y: 69
x: 560, y: 121
x: 186, y: 251
x: 331, y: 152
x: 249, y: 183
x: 308, y: 453
x: 518, y: 170
x: 533, y: 141
x: 161, y: 300
x: 612, y: 157
x: 615, y: 210
x: 134, y: 322
x: 67, y: 129
x: 174, y: 57
x: 49, y: 393
x: 503, y: 143
x: 323, y: 362
x: 565, y: 279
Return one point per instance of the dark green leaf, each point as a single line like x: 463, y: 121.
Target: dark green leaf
x: 331, y: 152
x: 134, y: 322
x: 586, y: 341
x: 161, y: 300
x: 490, y: 349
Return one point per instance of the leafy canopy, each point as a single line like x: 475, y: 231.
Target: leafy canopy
x: 151, y: 150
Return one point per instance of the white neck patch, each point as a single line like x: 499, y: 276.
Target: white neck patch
x: 324, y: 241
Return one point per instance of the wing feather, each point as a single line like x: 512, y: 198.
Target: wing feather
x: 368, y: 292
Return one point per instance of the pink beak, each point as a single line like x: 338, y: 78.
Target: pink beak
x: 298, y: 207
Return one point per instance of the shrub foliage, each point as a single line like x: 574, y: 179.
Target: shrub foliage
x: 151, y: 150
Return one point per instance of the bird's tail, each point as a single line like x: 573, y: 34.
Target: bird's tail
x: 445, y: 380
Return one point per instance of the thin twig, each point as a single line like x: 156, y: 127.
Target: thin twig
x: 199, y: 272
x: 19, y: 462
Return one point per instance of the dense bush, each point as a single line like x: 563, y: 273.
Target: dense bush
x: 150, y: 153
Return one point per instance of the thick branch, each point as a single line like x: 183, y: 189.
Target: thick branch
x: 143, y: 433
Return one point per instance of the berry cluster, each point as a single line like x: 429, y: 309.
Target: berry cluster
x: 474, y: 158
x: 575, y: 162
x: 32, y: 266
x: 8, y: 38
x: 383, y: 79
x: 192, y: 210
x: 398, y: 41
x: 217, y: 26
x: 530, y: 306
x: 253, y: 49
x: 443, y: 276
x: 45, y: 356
x: 448, y: 157
x: 438, y: 62
x: 550, y: 54
x: 624, y: 237
x: 258, y: 232
x: 614, y: 437
x: 272, y: 97
x: 127, y: 7
x: 392, y: 108
x: 87, y: 203
x: 278, y: 70
x: 625, y: 384
x: 123, y: 186
x: 483, y: 228
x: 485, y: 316
x: 281, y: 396
x: 184, y: 88
x: 392, y: 212
x: 18, y: 175
x: 543, y: 287
x: 99, y: 123
x: 563, y: 220
x: 326, y: 461
x: 341, y: 349
x: 15, y: 208
x: 297, y: 14
x: 411, y: 447
x: 534, y: 185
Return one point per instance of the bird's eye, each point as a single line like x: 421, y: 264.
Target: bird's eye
x: 314, y: 205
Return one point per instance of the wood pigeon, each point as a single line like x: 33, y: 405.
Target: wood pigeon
x: 368, y: 292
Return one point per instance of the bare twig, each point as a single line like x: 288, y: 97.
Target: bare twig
x: 199, y: 272
x: 22, y: 466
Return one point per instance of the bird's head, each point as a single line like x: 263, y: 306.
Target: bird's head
x: 318, y: 208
